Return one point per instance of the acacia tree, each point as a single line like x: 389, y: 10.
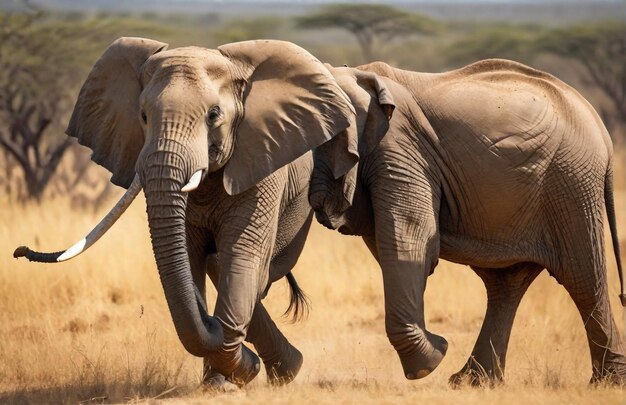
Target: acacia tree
x: 39, y: 62
x: 369, y: 23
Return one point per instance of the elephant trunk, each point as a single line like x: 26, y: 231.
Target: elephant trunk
x: 199, y: 333
x: 325, y: 195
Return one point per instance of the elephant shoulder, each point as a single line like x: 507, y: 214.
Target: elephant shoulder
x: 286, y: 183
x: 298, y: 176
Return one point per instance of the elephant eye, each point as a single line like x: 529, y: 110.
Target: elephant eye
x: 214, y: 114
x: 144, y: 118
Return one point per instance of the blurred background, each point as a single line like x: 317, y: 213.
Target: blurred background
x: 48, y: 46
x: 97, y: 329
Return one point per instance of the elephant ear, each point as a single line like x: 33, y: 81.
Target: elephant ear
x: 340, y: 155
x: 374, y: 106
x: 292, y: 104
x: 106, y: 114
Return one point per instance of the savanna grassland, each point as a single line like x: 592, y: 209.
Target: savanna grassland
x: 97, y: 329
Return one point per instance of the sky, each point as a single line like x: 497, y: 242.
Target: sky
x: 501, y: 10
x: 404, y: 1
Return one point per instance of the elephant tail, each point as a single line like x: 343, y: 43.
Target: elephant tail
x: 610, y: 213
x: 298, y: 301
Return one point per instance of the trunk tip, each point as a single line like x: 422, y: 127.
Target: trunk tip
x: 21, y: 252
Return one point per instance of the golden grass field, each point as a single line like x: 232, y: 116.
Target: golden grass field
x: 97, y: 329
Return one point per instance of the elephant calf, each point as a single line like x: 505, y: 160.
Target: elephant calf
x: 219, y: 141
x: 497, y: 166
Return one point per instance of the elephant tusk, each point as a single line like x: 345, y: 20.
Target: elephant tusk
x: 74, y: 251
x: 92, y: 237
x: 194, y: 182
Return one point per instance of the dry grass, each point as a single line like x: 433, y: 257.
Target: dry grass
x: 97, y: 329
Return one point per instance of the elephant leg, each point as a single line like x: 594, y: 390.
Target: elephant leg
x: 245, y: 242
x: 197, y: 247
x: 404, y: 282
x: 588, y: 287
x: 238, y: 294
x: 211, y: 377
x: 577, y: 230
x: 370, y: 242
x: 581, y: 268
x: 281, y: 359
x: 407, y: 242
x: 505, y: 289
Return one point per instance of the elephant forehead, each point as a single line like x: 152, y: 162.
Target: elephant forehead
x: 190, y: 60
x: 188, y: 51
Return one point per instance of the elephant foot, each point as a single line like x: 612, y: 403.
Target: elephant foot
x: 216, y: 382
x: 283, y: 371
x: 248, y: 368
x: 475, y: 375
x: 421, y: 354
x: 613, y: 372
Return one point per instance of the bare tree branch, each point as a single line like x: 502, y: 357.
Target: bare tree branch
x: 37, y: 73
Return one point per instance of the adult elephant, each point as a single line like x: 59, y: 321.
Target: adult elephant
x: 495, y: 165
x: 216, y: 140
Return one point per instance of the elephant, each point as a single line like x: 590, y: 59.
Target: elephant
x: 495, y: 165
x: 219, y: 140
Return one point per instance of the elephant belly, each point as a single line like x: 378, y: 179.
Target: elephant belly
x: 293, y: 227
x: 494, y: 229
x: 489, y: 253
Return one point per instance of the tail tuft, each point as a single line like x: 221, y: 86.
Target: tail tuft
x: 298, y: 302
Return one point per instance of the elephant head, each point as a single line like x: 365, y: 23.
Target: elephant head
x: 162, y: 119
x: 334, y: 180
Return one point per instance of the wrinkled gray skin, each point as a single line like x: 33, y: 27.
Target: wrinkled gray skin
x: 496, y: 166
x: 279, y: 203
x: 237, y: 114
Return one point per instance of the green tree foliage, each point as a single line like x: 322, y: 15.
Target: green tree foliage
x: 43, y: 60
x: 247, y: 29
x: 495, y: 41
x: 37, y: 62
x: 370, y: 24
